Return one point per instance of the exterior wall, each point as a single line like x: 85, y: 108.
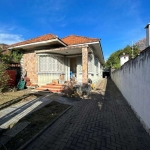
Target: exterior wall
x: 45, y: 78
x: 30, y: 65
x: 133, y: 80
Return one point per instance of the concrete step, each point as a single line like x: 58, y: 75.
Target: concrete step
x: 49, y: 89
x: 49, y: 84
x: 53, y: 86
x: 56, y: 88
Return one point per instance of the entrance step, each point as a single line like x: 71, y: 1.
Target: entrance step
x: 55, y: 88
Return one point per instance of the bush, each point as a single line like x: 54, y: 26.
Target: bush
x: 4, y: 77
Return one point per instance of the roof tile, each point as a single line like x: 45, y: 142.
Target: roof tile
x: 73, y: 40
x: 37, y: 39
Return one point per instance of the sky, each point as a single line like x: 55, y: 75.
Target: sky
x: 116, y: 22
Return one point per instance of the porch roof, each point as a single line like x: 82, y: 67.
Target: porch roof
x: 65, y: 51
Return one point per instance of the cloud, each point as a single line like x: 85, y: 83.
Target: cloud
x: 10, y: 38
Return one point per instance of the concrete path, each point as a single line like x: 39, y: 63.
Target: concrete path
x: 103, y: 122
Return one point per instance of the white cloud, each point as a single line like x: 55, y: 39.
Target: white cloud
x: 10, y: 38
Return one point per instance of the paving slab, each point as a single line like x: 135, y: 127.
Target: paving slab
x: 6, y: 136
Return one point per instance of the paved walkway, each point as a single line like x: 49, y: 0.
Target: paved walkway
x: 103, y: 122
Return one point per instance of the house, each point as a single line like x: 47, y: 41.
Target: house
x: 48, y: 57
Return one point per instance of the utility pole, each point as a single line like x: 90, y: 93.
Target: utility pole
x: 132, y: 50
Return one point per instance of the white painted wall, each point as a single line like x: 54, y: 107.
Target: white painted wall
x: 133, y: 80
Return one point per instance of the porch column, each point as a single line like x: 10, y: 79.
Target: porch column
x: 84, y: 65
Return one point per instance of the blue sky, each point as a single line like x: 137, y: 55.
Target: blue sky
x: 116, y: 22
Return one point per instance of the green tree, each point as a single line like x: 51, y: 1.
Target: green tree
x: 16, y: 55
x: 114, y: 60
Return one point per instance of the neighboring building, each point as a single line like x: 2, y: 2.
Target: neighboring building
x: 48, y: 57
x: 123, y: 58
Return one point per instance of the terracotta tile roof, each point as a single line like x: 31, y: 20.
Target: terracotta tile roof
x: 37, y: 39
x: 73, y: 40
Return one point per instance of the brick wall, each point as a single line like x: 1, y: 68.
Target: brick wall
x: 30, y: 65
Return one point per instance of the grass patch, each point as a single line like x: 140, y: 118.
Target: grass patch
x: 8, y: 96
x: 21, y: 99
x: 38, y: 120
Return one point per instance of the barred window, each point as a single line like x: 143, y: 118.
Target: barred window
x: 51, y: 63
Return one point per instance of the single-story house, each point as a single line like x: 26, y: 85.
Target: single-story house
x: 48, y: 57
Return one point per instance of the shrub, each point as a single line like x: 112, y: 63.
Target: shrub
x: 4, y: 77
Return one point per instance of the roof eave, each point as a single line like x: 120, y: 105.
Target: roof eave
x: 38, y: 43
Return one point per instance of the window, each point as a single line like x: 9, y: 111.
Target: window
x: 51, y: 63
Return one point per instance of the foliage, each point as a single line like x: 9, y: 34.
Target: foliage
x: 114, y: 60
x: 4, y: 77
x: 13, y: 56
x: 16, y: 55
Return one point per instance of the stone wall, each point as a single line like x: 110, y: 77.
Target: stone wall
x: 31, y: 66
x: 133, y: 80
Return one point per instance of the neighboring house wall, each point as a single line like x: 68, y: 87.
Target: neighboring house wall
x: 133, y: 80
x: 30, y: 65
x: 123, y: 59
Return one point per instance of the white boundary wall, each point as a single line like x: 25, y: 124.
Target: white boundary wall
x: 133, y: 80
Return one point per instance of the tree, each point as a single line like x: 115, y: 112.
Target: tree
x: 5, y: 59
x: 114, y: 60
x: 16, y: 55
